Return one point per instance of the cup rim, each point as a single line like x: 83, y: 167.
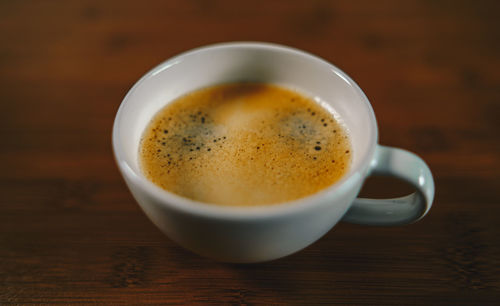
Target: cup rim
x: 188, y: 206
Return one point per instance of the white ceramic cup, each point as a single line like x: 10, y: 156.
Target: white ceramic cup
x: 254, y: 234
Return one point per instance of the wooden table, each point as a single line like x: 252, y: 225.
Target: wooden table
x: 70, y: 231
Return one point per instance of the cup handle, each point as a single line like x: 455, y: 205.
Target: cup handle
x: 404, y: 165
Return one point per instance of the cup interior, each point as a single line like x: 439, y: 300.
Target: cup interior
x: 238, y: 62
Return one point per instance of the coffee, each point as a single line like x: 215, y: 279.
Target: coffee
x: 244, y: 144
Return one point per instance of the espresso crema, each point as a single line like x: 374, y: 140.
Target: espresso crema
x: 244, y: 144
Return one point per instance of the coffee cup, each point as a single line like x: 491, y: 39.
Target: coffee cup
x: 267, y: 232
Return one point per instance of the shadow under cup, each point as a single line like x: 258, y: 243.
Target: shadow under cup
x: 258, y: 233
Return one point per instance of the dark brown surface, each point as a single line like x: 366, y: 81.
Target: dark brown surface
x: 70, y: 232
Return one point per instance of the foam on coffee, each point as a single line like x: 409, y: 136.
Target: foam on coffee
x: 244, y: 144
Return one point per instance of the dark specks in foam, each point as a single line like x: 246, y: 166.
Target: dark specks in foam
x: 191, y: 137
x: 187, y: 136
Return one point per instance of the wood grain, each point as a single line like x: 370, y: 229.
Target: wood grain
x: 70, y: 232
